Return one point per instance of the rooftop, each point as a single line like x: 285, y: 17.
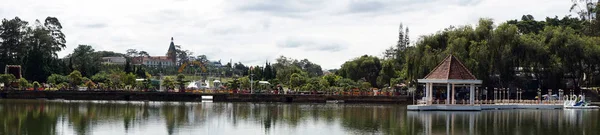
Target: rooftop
x: 451, y: 69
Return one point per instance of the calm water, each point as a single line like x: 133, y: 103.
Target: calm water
x: 40, y: 117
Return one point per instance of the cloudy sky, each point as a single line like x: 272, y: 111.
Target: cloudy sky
x: 327, y: 32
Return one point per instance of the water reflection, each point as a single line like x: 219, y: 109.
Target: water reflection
x: 33, y: 117
x: 515, y: 122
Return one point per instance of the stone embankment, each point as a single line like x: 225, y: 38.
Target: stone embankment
x: 216, y: 97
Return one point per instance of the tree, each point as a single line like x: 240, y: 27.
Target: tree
x: 131, y: 53
x: 43, y: 42
x: 169, y: 83
x: 13, y: 46
x: 101, y: 77
x: 36, y: 85
x: 85, y: 60
x: 364, y: 86
x: 588, y: 10
x: 234, y: 84
x: 403, y: 40
x: 116, y: 79
x: 128, y: 79
x: 75, y: 78
x: 284, y: 74
x: 90, y: 85
x: 268, y: 72
x: 244, y: 82
x: 23, y: 83
x: 55, y: 28
x: 297, y: 80
x: 346, y: 84
x: 181, y: 82
x: 182, y: 56
x: 324, y: 85
x: 57, y: 79
x: 35, y: 47
x: 364, y: 67
x: 240, y: 69
x: 127, y: 68
x: 331, y: 79
x: 6, y: 79
x: 386, y: 73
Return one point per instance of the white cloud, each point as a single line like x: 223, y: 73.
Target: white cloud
x: 325, y: 32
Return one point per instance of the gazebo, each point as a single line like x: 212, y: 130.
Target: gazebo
x: 450, y: 72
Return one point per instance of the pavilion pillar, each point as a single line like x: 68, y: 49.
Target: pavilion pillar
x: 453, y: 100
x: 430, y: 100
x: 448, y: 94
x: 472, y: 94
x: 426, y: 93
x: 429, y: 94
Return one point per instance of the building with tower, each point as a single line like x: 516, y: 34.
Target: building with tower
x: 159, y: 61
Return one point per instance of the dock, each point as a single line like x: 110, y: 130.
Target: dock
x: 454, y: 107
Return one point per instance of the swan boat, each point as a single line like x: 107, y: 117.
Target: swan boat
x: 577, y: 102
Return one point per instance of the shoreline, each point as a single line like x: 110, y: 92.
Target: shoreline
x: 216, y: 97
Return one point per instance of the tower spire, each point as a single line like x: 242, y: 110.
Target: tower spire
x: 171, y: 39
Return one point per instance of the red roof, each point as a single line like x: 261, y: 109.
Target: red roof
x: 451, y: 68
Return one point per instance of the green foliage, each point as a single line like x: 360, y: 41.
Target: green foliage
x: 85, y: 60
x: 346, y: 84
x: 284, y: 74
x: 244, y: 82
x: 75, y: 78
x: 331, y: 79
x: 36, y: 84
x: 90, y: 84
x: 128, y: 79
x: 285, y: 67
x: 364, y: 67
x: 6, y: 79
x: 386, y: 73
x: 297, y: 80
x: 34, y: 47
x: 545, y: 51
x: 56, y: 79
x: 181, y: 82
x: 168, y: 83
x: 234, y: 84
x: 23, y: 83
x: 100, y: 77
x: 364, y: 86
x: 117, y: 79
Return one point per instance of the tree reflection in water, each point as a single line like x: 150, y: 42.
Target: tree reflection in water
x: 33, y: 117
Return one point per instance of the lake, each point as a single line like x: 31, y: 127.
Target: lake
x: 58, y: 117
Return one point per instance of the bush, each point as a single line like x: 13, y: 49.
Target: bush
x: 90, y: 84
x: 36, y: 84
x: 23, y: 83
x: 57, y: 79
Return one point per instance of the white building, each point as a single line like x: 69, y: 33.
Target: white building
x: 113, y: 60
